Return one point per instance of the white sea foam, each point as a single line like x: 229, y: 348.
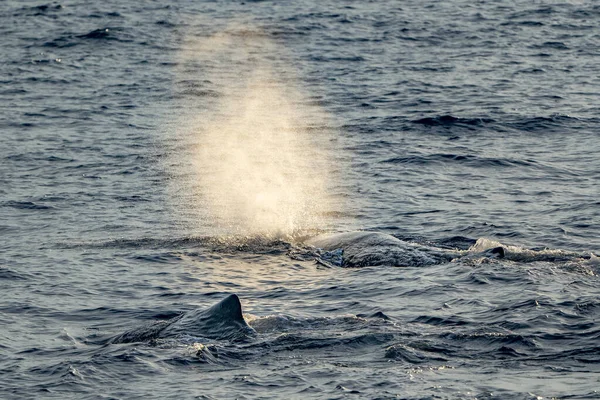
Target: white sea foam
x: 521, y: 254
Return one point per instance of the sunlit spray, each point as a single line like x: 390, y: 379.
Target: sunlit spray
x: 253, y: 158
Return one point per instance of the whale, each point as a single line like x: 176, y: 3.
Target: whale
x: 365, y: 248
x: 222, y: 321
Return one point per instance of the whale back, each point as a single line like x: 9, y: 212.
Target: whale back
x: 224, y: 320
x: 345, y: 240
x: 361, y: 249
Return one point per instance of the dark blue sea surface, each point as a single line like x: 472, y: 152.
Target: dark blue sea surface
x: 158, y: 156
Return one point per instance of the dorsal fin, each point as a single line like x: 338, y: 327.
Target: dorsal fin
x: 230, y: 308
x: 224, y: 320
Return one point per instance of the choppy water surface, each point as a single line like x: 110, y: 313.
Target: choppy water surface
x: 147, y: 147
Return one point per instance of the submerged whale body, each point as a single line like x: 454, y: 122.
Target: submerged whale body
x: 361, y: 249
x: 224, y: 320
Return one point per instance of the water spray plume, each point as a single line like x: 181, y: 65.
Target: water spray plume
x: 256, y: 150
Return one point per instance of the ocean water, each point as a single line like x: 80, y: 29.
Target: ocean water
x: 158, y: 156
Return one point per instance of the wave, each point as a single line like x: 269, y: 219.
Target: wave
x: 471, y: 160
x: 50, y: 9
x: 446, y: 120
x: 549, y: 123
x: 7, y: 273
x: 26, y: 205
x: 117, y: 34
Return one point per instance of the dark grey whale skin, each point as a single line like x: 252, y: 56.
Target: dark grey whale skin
x: 224, y: 320
x: 361, y: 249
x: 365, y: 248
